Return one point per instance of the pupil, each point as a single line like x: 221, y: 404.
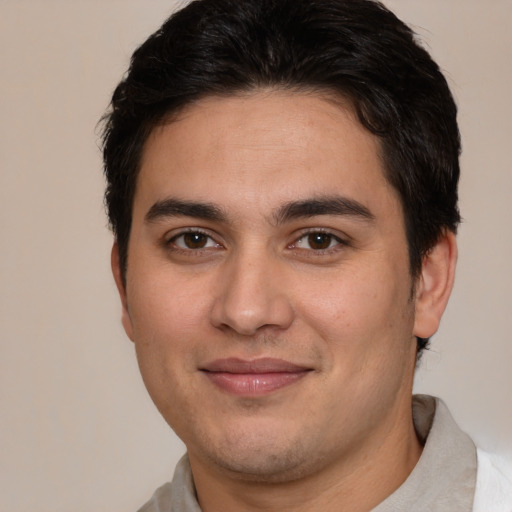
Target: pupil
x: 319, y: 240
x: 195, y: 240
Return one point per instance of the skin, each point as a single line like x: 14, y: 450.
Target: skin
x: 328, y: 290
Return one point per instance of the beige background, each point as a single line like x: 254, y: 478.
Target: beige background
x: 78, y: 432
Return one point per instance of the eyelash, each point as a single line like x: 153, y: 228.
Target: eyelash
x: 339, y: 242
x: 172, y: 245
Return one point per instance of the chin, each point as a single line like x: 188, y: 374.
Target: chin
x: 265, y: 457
x: 264, y: 468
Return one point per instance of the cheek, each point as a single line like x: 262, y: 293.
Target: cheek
x: 166, y: 304
x: 168, y: 319
x: 166, y: 328
x: 360, y: 311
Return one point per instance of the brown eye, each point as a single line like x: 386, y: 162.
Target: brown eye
x: 319, y: 241
x: 193, y: 240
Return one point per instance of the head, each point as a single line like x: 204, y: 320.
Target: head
x: 227, y: 47
x: 247, y: 117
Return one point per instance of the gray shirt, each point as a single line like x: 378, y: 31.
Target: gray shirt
x: 443, y: 480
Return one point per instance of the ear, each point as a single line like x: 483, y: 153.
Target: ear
x: 121, y: 288
x: 434, y: 285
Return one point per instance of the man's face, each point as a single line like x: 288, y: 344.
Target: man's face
x: 268, y: 290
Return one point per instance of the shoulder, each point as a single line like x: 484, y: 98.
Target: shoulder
x: 494, y: 483
x: 176, y: 496
x: 160, y: 501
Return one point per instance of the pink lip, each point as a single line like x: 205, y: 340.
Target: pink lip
x: 253, y: 378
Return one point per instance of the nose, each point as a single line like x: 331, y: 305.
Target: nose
x: 252, y: 296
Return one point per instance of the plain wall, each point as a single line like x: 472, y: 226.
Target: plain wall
x: 78, y: 431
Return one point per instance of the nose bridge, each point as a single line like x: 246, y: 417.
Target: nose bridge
x: 252, y: 295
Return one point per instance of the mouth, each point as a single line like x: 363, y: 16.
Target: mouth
x: 253, y: 377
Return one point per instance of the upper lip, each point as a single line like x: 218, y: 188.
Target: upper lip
x: 261, y: 365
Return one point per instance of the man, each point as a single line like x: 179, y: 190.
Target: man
x: 282, y: 186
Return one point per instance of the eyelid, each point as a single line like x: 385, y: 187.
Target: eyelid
x: 171, y: 236
x: 342, y: 239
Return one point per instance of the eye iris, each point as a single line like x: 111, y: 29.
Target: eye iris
x: 319, y: 240
x: 195, y: 240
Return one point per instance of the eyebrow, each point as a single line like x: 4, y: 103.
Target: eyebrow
x: 331, y: 205
x: 177, y: 208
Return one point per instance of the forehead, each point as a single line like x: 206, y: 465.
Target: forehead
x: 259, y: 148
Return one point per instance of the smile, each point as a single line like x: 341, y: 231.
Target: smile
x: 253, y: 378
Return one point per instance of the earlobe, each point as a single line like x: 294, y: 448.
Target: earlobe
x: 435, y: 285
x: 121, y: 288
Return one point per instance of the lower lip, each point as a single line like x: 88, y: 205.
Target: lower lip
x: 254, y: 384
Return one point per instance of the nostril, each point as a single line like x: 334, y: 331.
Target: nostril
x: 247, y: 317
